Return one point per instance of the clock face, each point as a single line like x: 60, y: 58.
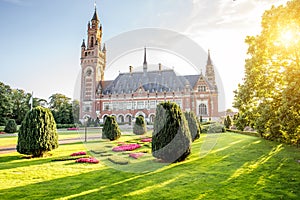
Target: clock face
x: 88, y: 72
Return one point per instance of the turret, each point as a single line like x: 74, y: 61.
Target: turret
x: 209, y: 72
x: 145, y: 66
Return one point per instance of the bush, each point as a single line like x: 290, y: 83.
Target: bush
x: 11, y: 126
x: 171, y: 138
x: 228, y: 122
x: 59, y: 126
x: 213, y: 128
x: 193, y: 125
x: 111, y: 129
x: 139, y: 127
x: 37, y: 134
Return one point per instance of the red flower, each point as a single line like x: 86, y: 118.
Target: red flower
x: 136, y: 155
x: 87, y: 160
x: 146, y: 140
x: 80, y: 153
x: 72, y: 129
x: 126, y: 147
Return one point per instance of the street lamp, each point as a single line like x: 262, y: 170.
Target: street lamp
x: 86, y: 118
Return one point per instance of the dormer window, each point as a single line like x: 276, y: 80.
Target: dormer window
x: 201, y: 88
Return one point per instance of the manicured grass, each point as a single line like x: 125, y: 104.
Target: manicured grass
x: 238, y: 167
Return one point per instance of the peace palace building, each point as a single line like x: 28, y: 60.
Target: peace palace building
x: 138, y: 92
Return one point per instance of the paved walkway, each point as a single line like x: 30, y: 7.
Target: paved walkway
x: 12, y: 148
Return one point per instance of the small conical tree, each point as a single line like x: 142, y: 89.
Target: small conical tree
x: 228, y: 122
x: 37, y: 134
x: 171, y: 138
x: 193, y: 125
x: 111, y: 129
x: 11, y: 126
x: 139, y: 127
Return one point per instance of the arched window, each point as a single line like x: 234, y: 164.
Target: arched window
x: 202, y: 109
x: 92, y: 41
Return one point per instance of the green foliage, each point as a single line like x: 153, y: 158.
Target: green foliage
x: 268, y: 99
x: 213, y: 128
x: 139, y: 127
x: 227, y: 121
x: 62, y: 109
x: 5, y: 104
x: 171, y: 138
x: 37, y: 134
x: 111, y: 129
x: 11, y: 126
x: 193, y: 125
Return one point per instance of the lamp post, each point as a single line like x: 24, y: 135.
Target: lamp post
x: 86, y: 118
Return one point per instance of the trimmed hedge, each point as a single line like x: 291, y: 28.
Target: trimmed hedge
x: 171, y: 138
x: 139, y: 127
x: 255, y: 134
x: 193, y: 125
x: 213, y: 128
x: 111, y: 129
x: 11, y: 126
x: 37, y: 134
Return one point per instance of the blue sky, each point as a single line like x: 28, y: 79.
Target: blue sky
x: 40, y: 39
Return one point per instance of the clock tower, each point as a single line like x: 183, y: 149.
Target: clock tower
x: 93, y: 62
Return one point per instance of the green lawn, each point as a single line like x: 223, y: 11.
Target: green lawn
x: 238, y: 167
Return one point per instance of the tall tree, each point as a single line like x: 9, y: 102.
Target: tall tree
x: 268, y: 99
x: 5, y: 103
x: 61, y: 108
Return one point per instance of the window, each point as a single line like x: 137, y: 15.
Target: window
x: 201, y: 88
x: 140, y: 105
x: 202, y: 109
x: 105, y: 106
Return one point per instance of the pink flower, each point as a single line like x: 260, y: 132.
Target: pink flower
x: 146, y: 140
x: 136, y: 155
x: 72, y: 129
x: 87, y: 160
x: 126, y: 147
x: 80, y: 153
x: 2, y: 132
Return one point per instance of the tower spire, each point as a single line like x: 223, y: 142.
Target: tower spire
x: 145, y: 60
x: 95, y: 16
x: 208, y: 58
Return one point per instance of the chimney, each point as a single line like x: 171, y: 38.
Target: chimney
x: 159, y: 66
x: 130, y: 69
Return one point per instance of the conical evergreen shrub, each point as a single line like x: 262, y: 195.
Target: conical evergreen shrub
x: 37, y: 134
x: 193, y: 125
x: 111, y: 129
x: 11, y: 126
x: 139, y: 127
x: 171, y: 138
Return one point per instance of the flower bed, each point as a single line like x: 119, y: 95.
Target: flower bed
x: 146, y: 140
x: 2, y: 132
x: 78, y: 153
x: 72, y: 129
x: 126, y: 147
x: 136, y: 155
x: 87, y: 160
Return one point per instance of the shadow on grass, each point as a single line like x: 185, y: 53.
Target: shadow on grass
x: 266, y: 173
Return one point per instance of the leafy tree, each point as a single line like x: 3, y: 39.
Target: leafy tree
x: 268, y: 99
x: 61, y: 108
x: 76, y: 107
x: 171, y: 138
x: 193, y: 125
x: 139, y: 127
x: 11, y: 126
x: 111, y: 129
x: 37, y: 134
x: 5, y: 104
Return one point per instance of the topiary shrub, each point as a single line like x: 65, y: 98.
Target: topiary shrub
x: 11, y: 126
x: 213, y: 128
x: 171, y: 138
x: 193, y: 125
x: 228, y: 122
x: 37, y: 134
x: 139, y: 127
x: 111, y: 129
